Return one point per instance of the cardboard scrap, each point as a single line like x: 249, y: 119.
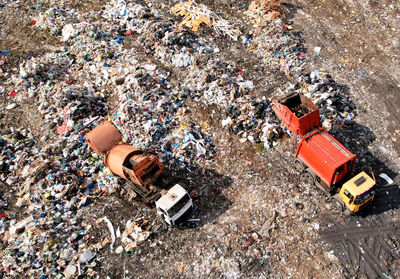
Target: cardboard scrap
x: 194, y: 15
x: 264, y: 10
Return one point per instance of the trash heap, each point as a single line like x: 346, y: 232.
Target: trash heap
x: 17, y: 146
x: 246, y: 115
x: 57, y: 182
x: 188, y: 146
x: 333, y: 101
x: 178, y: 48
x: 4, y: 220
x: 136, y: 232
x: 273, y: 40
x: 261, y: 11
x: 54, y: 18
x: 196, y: 14
x: 50, y: 241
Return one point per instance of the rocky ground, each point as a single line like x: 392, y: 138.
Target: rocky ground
x: 65, y: 64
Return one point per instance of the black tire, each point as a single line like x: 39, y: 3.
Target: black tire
x: 308, y: 178
x: 298, y: 165
x: 339, y: 205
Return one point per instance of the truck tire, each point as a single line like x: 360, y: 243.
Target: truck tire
x: 299, y: 165
x: 338, y: 203
x: 308, y: 177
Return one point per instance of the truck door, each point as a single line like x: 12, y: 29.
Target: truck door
x: 340, y: 173
x: 164, y: 215
x: 347, y: 198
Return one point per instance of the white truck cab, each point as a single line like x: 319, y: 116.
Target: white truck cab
x: 174, y: 204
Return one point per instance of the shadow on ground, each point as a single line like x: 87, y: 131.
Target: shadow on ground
x: 357, y: 138
x: 205, y: 186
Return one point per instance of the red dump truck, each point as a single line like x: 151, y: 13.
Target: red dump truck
x: 320, y: 158
x: 142, y: 171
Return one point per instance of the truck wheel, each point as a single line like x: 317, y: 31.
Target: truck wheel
x: 298, y: 165
x: 338, y: 204
x: 308, y: 178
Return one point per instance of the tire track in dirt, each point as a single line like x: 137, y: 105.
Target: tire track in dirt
x: 362, y: 247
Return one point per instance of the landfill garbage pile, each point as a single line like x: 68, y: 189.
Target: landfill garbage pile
x: 55, y: 184
x: 57, y: 21
x: 333, y: 101
x: 94, y: 77
x: 248, y: 116
x: 17, y: 146
x: 61, y: 179
x: 177, y: 48
x: 4, y: 218
x: 196, y: 14
x: 46, y: 242
x: 273, y: 41
x: 152, y: 120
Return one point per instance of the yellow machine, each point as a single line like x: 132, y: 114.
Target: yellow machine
x: 358, y: 192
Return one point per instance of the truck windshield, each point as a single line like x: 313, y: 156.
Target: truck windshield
x: 178, y: 206
x: 360, y: 199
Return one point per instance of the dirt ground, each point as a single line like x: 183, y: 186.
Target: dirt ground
x: 257, y: 219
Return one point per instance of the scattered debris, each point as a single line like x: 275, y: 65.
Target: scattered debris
x: 195, y: 14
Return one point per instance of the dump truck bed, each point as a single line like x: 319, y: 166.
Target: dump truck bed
x: 103, y: 138
x: 325, y: 156
x: 121, y: 158
x: 298, y: 113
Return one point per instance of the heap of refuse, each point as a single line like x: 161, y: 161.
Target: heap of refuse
x: 4, y: 220
x: 273, y: 40
x: 247, y: 115
x: 46, y: 242
x: 196, y: 14
x: 332, y: 99
x: 17, y: 146
x: 94, y: 77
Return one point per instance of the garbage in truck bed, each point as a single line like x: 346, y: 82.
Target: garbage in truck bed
x: 298, y: 113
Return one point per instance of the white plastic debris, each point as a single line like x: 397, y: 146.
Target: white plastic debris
x: 70, y: 271
x: 112, y: 231
x: 149, y: 68
x: 386, y: 177
x: 226, y: 122
x: 317, y: 50
x: 68, y: 31
x: 86, y: 256
x: 11, y: 106
x: 119, y: 250
x: 247, y: 84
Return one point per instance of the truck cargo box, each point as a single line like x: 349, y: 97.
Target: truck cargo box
x: 325, y: 156
x: 298, y: 113
x: 121, y: 158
